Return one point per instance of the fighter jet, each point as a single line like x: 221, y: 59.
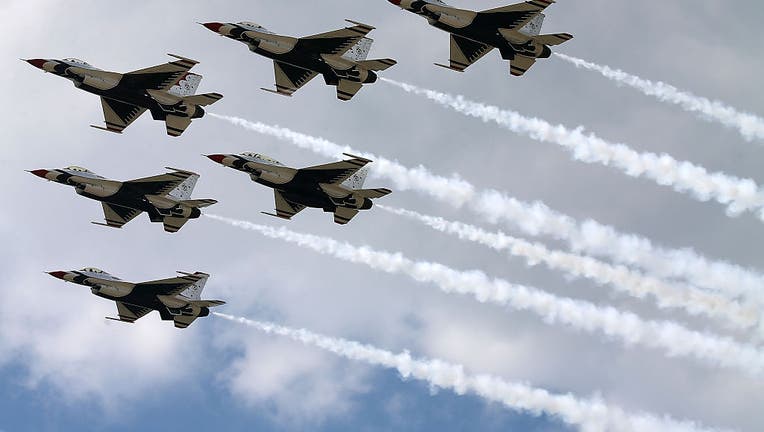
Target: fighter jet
x: 340, y: 56
x: 165, y: 197
x: 514, y: 30
x: 177, y: 299
x: 167, y: 90
x: 334, y: 187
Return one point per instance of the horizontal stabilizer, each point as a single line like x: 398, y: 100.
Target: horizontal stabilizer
x: 373, y: 193
x: 279, y: 91
x: 120, y: 320
x: 200, y: 203
x: 377, y: 64
x: 106, y: 129
x: 277, y: 216
x: 554, y: 39
x: 203, y: 99
x: 207, y: 303
x: 449, y: 67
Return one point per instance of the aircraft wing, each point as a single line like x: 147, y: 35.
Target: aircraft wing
x: 521, y: 64
x: 335, y: 42
x: 119, y: 115
x: 131, y: 313
x: 465, y: 52
x: 332, y: 173
x: 285, y: 209
x: 161, y: 77
x: 290, y: 78
x: 161, y: 184
x: 117, y: 216
x: 169, y: 287
x: 514, y: 16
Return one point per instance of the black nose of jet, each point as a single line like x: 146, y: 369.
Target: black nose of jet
x: 214, y: 26
x: 37, y: 62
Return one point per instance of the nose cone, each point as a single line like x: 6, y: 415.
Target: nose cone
x: 37, y: 62
x: 395, y: 2
x: 214, y: 26
x: 217, y: 158
x: 57, y: 274
x: 40, y: 173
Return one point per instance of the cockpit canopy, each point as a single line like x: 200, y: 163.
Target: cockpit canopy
x: 79, y: 169
x: 93, y: 270
x: 249, y: 25
x: 78, y: 63
x: 99, y: 273
x: 262, y: 158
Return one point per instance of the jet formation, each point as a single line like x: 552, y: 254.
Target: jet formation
x: 167, y: 91
x: 165, y: 198
x: 334, y: 187
x: 513, y: 29
x: 177, y: 299
x: 339, y: 56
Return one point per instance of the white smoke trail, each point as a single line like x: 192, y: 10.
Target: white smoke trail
x: 737, y: 194
x: 537, y: 219
x: 454, y: 189
x: 629, y: 328
x: 589, y: 415
x: 666, y: 294
x: 749, y: 125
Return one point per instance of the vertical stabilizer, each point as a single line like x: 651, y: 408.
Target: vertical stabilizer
x: 356, y: 180
x: 359, y: 51
x: 194, y: 291
x: 184, y: 190
x: 533, y: 27
x: 186, y: 85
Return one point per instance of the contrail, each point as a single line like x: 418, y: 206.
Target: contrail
x: 737, y: 194
x: 631, y: 282
x: 629, y: 328
x: 537, y: 219
x: 589, y: 415
x: 453, y: 189
x: 749, y: 125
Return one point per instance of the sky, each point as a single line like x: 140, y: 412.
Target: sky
x: 63, y: 367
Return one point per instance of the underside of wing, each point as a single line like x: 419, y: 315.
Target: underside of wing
x: 131, y: 313
x: 465, y: 52
x: 119, y: 115
x: 332, y: 173
x: 161, y: 77
x: 335, y: 42
x: 347, y: 89
x: 161, y: 184
x: 117, y: 216
x: 285, y: 209
x: 513, y: 16
x: 521, y: 64
x: 343, y: 215
x: 290, y: 78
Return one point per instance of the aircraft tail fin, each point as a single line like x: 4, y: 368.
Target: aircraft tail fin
x: 356, y: 180
x: 377, y: 64
x: 184, y: 190
x: 186, y: 85
x: 533, y: 27
x: 359, y: 51
x: 194, y: 291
